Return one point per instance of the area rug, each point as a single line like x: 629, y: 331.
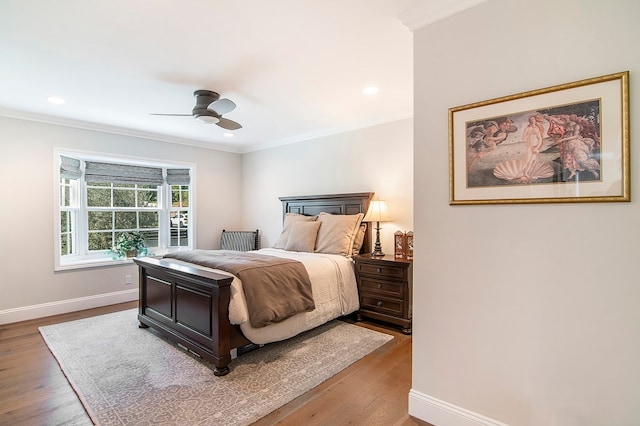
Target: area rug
x: 125, y: 375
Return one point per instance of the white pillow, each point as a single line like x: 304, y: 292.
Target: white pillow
x: 303, y: 236
x: 337, y: 233
x: 289, y: 220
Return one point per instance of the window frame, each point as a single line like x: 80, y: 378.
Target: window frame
x: 83, y: 258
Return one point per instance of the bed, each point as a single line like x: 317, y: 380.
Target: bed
x: 191, y: 304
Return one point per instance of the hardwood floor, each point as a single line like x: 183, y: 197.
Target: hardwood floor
x: 373, y: 391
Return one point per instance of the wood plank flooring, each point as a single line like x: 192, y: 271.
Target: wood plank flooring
x: 373, y: 391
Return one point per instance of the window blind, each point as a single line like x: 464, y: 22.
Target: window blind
x: 69, y: 168
x: 120, y: 173
x: 178, y: 177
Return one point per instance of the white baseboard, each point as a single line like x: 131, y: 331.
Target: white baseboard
x: 440, y: 413
x: 64, y: 306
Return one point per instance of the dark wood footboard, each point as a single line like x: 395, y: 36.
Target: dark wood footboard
x: 190, y: 306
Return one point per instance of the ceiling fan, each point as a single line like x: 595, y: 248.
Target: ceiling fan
x: 209, y: 109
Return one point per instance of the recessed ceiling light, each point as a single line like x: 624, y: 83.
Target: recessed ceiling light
x: 371, y: 90
x: 229, y: 135
x: 55, y: 100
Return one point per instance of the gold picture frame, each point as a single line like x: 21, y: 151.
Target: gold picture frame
x: 561, y: 144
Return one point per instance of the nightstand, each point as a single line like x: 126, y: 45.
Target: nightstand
x: 385, y: 286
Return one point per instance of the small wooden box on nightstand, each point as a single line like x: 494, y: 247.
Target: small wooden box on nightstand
x: 385, y: 286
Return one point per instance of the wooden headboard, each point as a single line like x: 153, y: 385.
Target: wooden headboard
x: 311, y: 205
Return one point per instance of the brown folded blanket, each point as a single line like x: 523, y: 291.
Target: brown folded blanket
x: 275, y: 288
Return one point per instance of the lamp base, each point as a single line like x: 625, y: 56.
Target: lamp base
x: 377, y: 248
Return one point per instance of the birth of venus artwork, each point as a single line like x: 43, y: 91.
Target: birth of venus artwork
x: 556, y: 144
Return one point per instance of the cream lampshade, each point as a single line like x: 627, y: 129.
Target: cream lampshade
x: 377, y: 212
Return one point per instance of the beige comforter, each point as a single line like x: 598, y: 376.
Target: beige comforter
x: 275, y: 288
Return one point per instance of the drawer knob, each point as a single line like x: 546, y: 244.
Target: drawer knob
x: 378, y: 270
x: 380, y: 303
x: 379, y: 285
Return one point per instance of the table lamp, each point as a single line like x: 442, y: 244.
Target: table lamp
x: 377, y: 213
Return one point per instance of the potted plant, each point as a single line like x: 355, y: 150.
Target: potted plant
x: 129, y: 244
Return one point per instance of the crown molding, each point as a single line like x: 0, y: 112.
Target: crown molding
x: 425, y: 12
x: 84, y: 125
x: 78, y: 124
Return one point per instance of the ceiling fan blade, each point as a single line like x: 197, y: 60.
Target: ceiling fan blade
x: 175, y: 115
x: 228, y: 124
x: 221, y: 106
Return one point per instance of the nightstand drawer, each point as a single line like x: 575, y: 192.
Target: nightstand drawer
x: 383, y: 305
x: 381, y: 270
x: 389, y: 288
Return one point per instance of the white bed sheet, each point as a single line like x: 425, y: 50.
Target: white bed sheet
x: 335, y: 293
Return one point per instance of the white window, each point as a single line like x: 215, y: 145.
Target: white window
x: 100, y: 198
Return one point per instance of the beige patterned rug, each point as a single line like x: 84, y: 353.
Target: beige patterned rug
x: 107, y: 361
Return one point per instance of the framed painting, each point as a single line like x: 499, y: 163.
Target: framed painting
x: 561, y: 144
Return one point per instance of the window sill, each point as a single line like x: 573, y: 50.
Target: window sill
x: 92, y: 263
x: 103, y: 261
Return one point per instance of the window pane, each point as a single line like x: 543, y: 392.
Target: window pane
x: 63, y: 244
x: 100, y: 220
x: 100, y: 240
x: 179, y: 219
x: 67, y: 232
x: 126, y: 220
x: 179, y: 237
x: 180, y: 196
x: 175, y: 196
x: 148, y: 219
x: 65, y: 194
x: 124, y: 198
x: 185, y: 198
x: 179, y: 232
x: 150, y: 238
x: 148, y: 198
x: 64, y: 221
x: 98, y: 197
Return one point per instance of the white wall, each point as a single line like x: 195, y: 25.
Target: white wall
x: 524, y: 314
x: 376, y: 159
x: 29, y: 287
x: 233, y: 191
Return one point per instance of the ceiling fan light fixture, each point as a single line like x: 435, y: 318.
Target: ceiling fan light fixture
x: 208, y: 119
x: 209, y: 109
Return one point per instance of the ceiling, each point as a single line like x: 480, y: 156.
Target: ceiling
x: 295, y: 68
